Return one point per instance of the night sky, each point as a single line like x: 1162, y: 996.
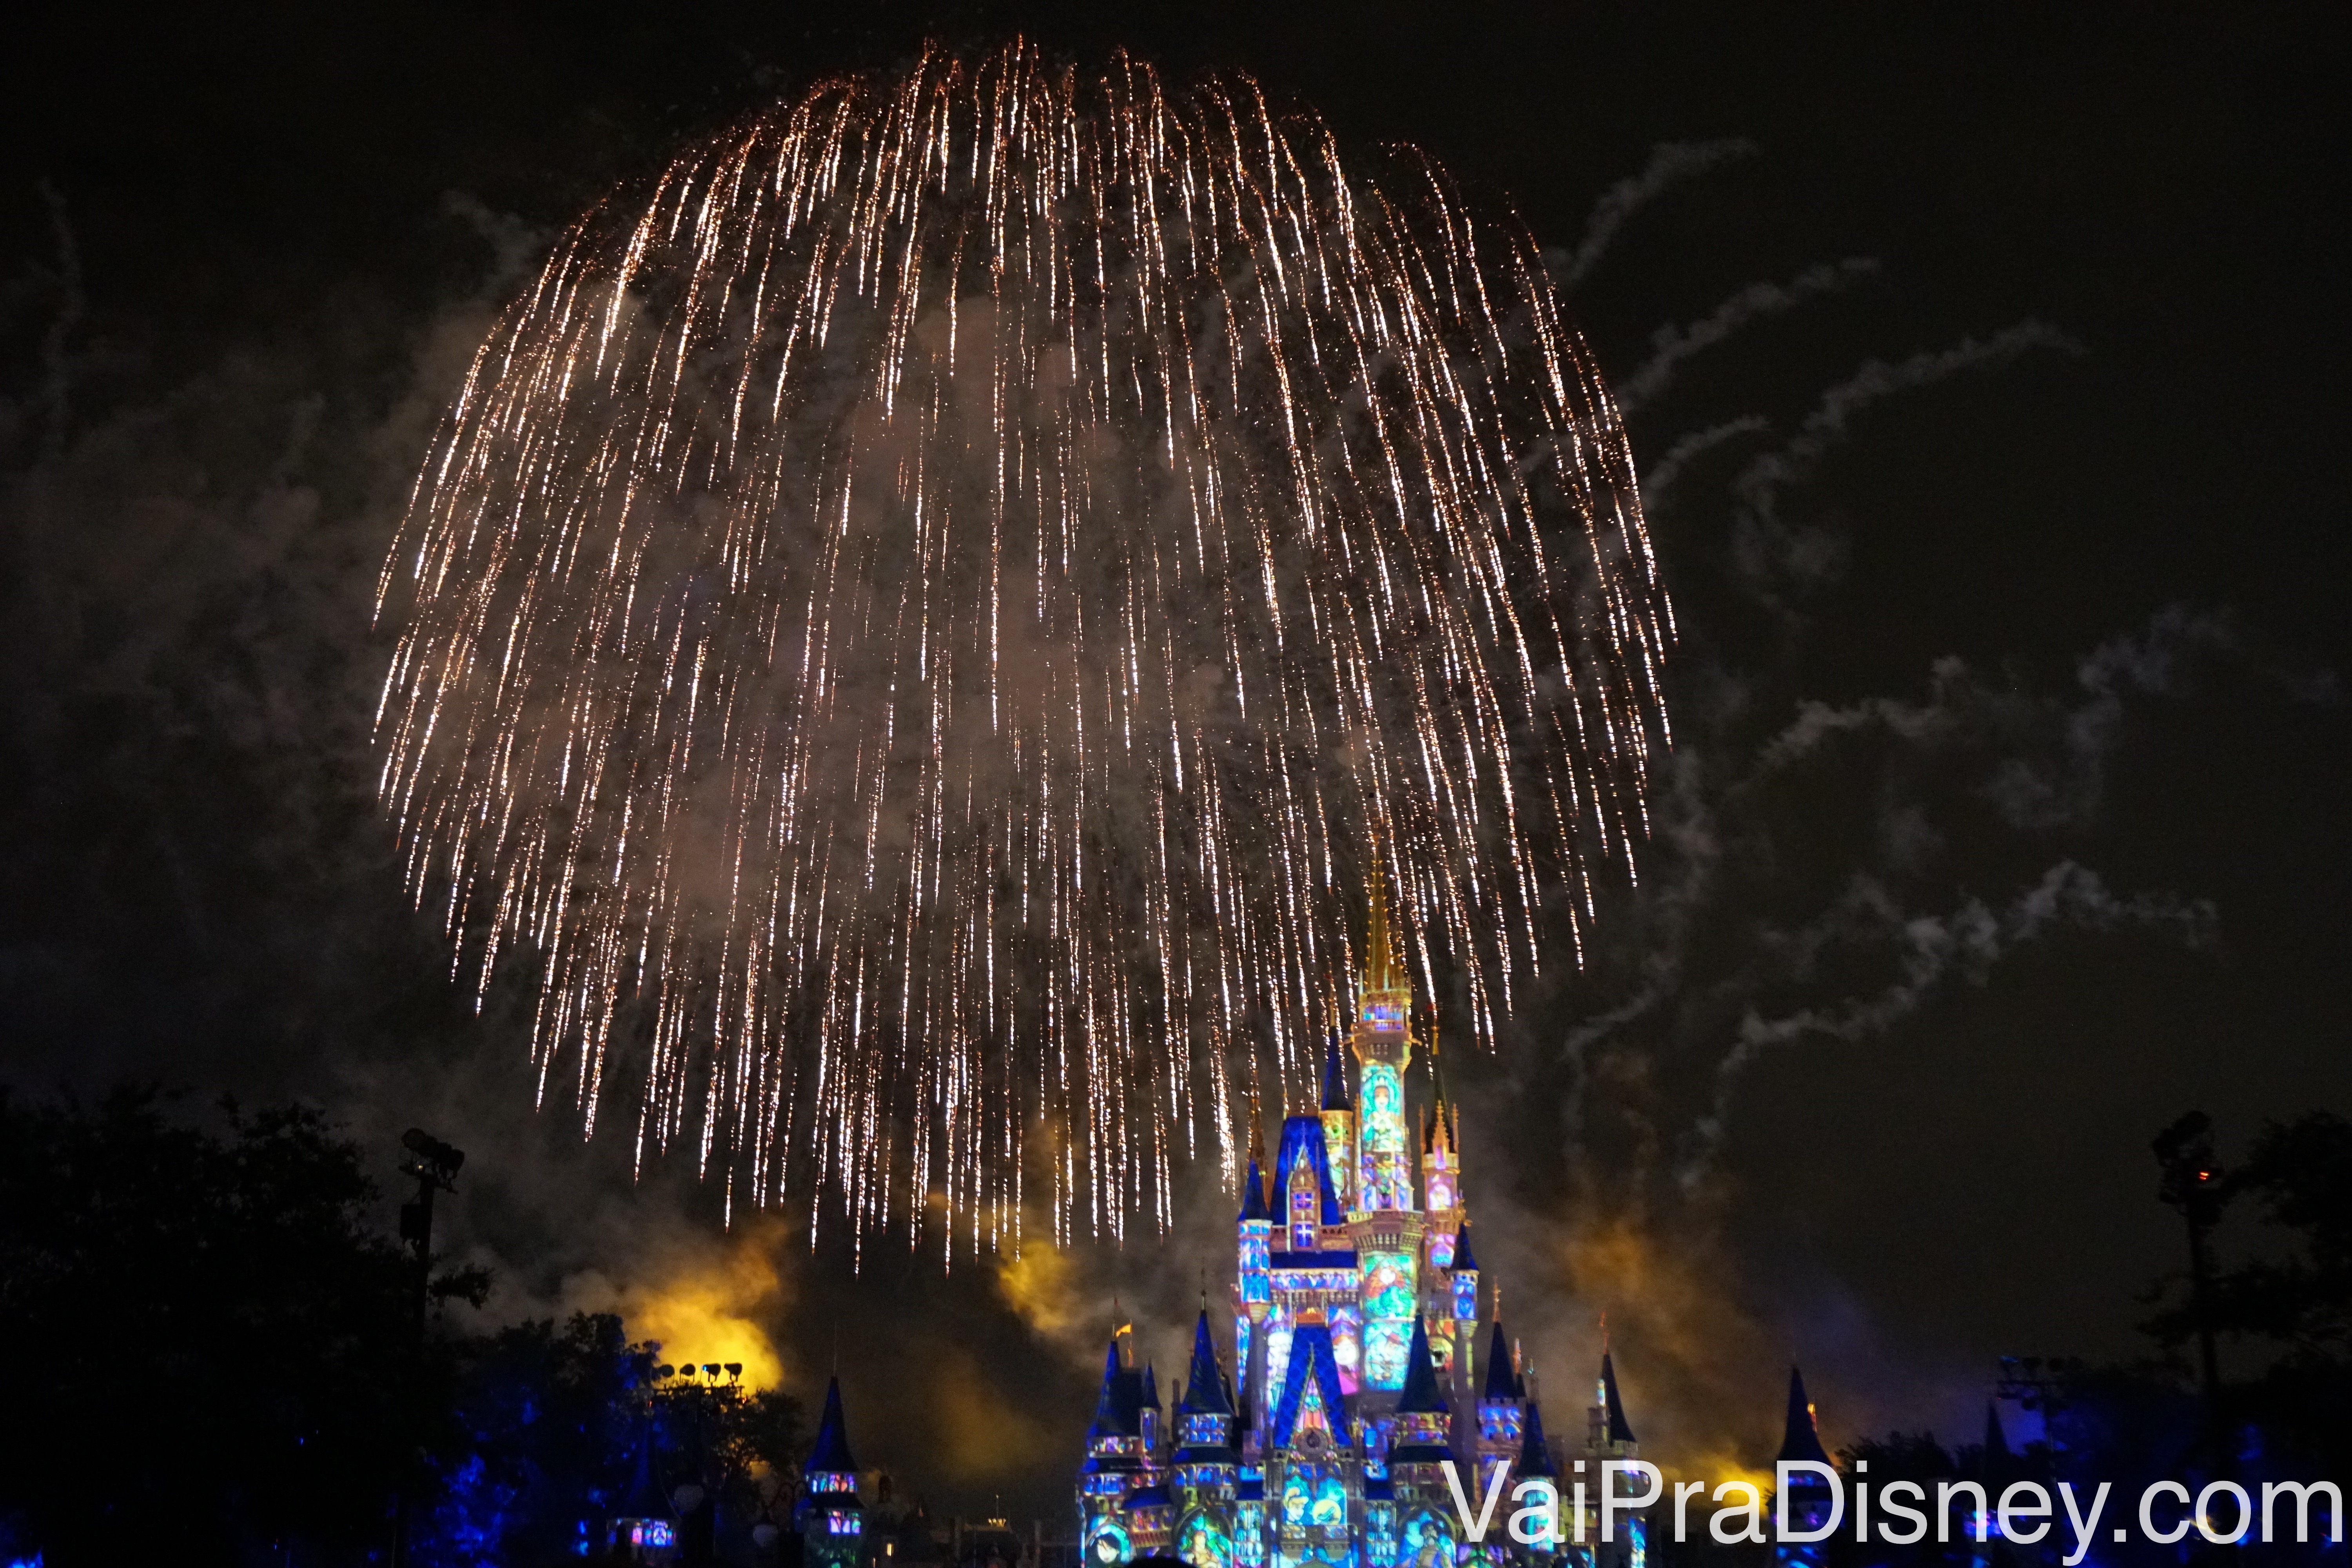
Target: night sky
x: 1984, y: 365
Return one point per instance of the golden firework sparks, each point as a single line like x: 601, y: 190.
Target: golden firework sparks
x: 931, y: 613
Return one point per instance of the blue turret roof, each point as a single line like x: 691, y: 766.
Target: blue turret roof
x: 1302, y: 1138
x: 1620, y: 1429
x: 1462, y: 1257
x: 1802, y: 1439
x: 1535, y: 1454
x: 1118, y: 1407
x: 1335, y: 1080
x: 1421, y: 1395
x: 1254, y: 1204
x: 1253, y: 1193
x: 1205, y: 1382
x: 831, y: 1450
x: 1500, y: 1379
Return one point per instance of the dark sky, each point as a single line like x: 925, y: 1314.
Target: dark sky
x: 2005, y: 820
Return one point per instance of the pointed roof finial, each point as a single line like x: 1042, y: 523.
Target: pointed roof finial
x: 1382, y: 970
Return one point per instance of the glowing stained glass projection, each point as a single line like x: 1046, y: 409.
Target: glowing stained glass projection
x: 1428, y: 1542
x: 1389, y: 1286
x: 1202, y: 1544
x: 1348, y: 1347
x: 1383, y: 1091
x: 1250, y: 1547
x: 1255, y: 1260
x: 1386, y: 1344
x: 1329, y: 1511
x: 1277, y: 1353
x: 1108, y: 1544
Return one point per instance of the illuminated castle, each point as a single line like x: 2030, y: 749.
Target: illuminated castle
x: 1356, y: 1332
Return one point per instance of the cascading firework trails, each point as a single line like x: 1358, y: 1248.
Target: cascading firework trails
x: 919, y: 628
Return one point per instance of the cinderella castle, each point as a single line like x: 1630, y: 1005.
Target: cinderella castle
x: 1364, y: 1357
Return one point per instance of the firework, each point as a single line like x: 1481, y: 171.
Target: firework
x: 916, y: 631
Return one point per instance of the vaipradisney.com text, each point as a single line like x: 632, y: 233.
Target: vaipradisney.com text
x: 1898, y: 1512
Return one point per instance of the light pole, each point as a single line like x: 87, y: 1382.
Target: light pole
x: 434, y: 1166
x: 2193, y: 1184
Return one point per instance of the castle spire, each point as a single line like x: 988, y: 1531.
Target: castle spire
x: 1463, y: 1259
x: 1501, y: 1378
x: 1335, y: 1080
x: 1620, y: 1430
x: 1205, y: 1381
x: 1110, y: 1415
x: 1535, y: 1454
x: 1421, y: 1396
x: 1802, y: 1439
x: 1254, y: 1203
x: 1382, y: 970
x: 831, y: 1451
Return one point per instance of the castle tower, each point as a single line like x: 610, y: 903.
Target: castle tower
x: 1441, y: 1186
x: 1314, y: 1262
x: 1116, y: 1464
x: 1501, y: 1411
x: 828, y: 1514
x: 1809, y: 1495
x: 1340, y: 1125
x: 1253, y: 1288
x: 1387, y: 1223
x: 1383, y: 1048
x: 1440, y: 1172
x: 1205, y: 1466
x: 1465, y: 1317
x: 1609, y: 1435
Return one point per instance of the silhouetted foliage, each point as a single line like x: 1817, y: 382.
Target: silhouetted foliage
x: 217, y: 1363
x: 548, y: 1414
x: 214, y: 1352
x: 2296, y: 1307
